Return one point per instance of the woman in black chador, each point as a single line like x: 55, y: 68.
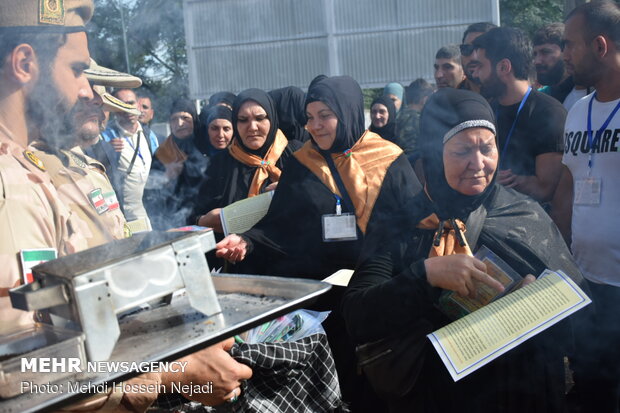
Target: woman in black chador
x: 252, y: 163
x: 342, y: 168
x: 402, y: 272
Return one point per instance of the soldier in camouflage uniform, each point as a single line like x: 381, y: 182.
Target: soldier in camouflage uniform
x: 408, y: 120
x: 43, y: 50
x: 80, y: 180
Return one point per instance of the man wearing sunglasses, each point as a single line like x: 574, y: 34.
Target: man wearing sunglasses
x: 469, y: 64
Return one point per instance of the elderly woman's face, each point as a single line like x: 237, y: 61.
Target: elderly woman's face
x: 253, y: 125
x: 322, y: 124
x: 220, y: 133
x: 470, y: 160
x: 181, y: 124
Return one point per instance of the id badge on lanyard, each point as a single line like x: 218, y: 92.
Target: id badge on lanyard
x: 339, y: 226
x: 588, y: 191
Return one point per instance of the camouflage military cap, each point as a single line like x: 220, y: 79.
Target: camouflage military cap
x: 41, y: 16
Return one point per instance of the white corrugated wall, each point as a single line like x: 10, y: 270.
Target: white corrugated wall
x: 236, y: 44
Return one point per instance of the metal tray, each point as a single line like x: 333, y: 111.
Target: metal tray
x: 172, y: 331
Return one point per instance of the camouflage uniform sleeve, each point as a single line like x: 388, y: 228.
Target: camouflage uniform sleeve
x: 31, y: 217
x: 408, y: 132
x: 27, y: 222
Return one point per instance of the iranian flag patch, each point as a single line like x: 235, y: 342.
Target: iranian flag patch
x: 111, y: 200
x: 30, y: 258
x: 98, y: 201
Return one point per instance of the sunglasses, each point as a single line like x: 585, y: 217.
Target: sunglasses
x: 466, y: 49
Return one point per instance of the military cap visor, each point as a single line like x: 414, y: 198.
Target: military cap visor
x: 112, y: 104
x: 45, y: 16
x: 99, y: 75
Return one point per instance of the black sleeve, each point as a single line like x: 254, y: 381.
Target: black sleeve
x: 398, y: 189
x: 382, y: 299
x: 211, y: 190
x: 270, y: 238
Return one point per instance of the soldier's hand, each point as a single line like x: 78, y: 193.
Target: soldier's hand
x: 211, y: 365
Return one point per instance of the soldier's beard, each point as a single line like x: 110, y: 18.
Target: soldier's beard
x: 49, y: 114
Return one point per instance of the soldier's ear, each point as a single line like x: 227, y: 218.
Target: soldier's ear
x: 23, y: 64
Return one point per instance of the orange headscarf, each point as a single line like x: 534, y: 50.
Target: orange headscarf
x: 449, y: 236
x: 362, y: 169
x: 169, y: 152
x: 266, y: 166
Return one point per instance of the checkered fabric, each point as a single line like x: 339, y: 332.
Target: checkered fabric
x: 297, y: 377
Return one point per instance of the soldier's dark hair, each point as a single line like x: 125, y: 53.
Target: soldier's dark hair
x: 451, y: 52
x: 601, y: 18
x: 418, y: 90
x: 508, y: 43
x: 551, y: 33
x: 481, y: 27
x: 45, y: 45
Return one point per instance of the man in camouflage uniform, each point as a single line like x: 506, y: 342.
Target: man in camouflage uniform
x: 81, y: 181
x: 44, y: 52
x: 40, y: 45
x: 408, y: 121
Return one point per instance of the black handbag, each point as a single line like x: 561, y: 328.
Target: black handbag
x: 392, y: 365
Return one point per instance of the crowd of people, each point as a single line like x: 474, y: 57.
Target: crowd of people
x: 513, y: 149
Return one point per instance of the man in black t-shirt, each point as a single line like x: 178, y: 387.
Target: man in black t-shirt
x: 529, y: 123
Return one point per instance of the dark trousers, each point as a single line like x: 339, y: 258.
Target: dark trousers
x: 596, y: 362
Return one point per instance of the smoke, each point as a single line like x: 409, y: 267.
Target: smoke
x: 48, y: 113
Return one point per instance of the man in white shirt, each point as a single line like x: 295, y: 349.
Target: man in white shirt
x: 589, y: 193
x: 135, y: 145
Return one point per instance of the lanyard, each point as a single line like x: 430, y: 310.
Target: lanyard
x: 338, y: 205
x: 514, y: 122
x: 137, y: 148
x: 600, y: 131
x: 343, y: 190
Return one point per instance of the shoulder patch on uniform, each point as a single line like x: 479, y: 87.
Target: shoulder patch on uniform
x: 34, y: 160
x: 52, y: 12
x: 98, y: 201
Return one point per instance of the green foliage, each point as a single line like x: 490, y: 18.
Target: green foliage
x: 370, y: 95
x: 156, y: 45
x: 530, y: 15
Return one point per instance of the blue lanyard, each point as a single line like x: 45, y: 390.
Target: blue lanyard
x: 338, y: 205
x: 514, y: 123
x: 598, y: 133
